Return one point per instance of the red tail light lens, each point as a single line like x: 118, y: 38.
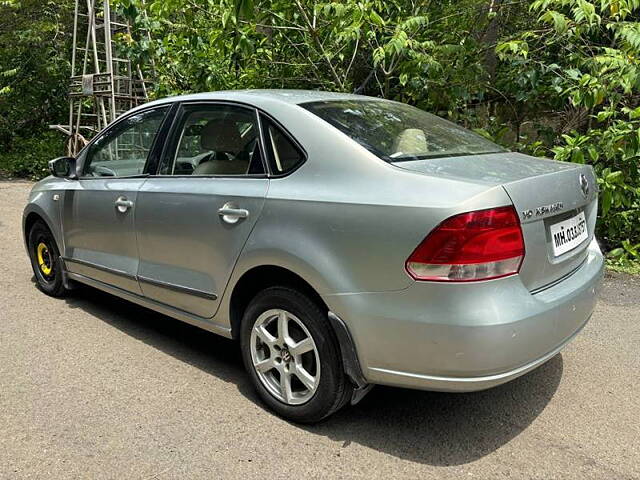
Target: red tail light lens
x: 471, y: 246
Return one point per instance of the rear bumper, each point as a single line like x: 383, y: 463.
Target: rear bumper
x: 467, y: 337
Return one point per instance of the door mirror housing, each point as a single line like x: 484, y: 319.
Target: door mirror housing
x: 63, y: 167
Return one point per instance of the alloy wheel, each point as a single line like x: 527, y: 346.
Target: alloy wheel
x: 285, y: 356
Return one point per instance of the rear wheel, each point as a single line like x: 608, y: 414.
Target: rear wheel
x: 45, y: 260
x: 292, y: 355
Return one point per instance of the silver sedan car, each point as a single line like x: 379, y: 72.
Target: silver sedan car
x: 345, y: 241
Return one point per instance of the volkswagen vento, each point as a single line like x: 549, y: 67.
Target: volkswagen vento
x: 345, y: 241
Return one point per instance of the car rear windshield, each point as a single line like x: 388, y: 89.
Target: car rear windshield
x: 397, y: 132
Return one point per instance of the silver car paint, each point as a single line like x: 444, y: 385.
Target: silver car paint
x: 345, y: 222
x: 96, y: 234
x: 181, y: 240
x: 457, y: 337
x: 529, y: 182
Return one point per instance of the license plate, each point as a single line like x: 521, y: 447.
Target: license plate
x: 568, y: 234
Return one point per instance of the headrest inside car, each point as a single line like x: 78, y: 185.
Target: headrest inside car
x: 221, y: 136
x: 411, y: 141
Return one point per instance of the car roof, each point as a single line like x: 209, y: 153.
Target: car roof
x: 256, y: 97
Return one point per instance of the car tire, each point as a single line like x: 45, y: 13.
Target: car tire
x: 305, y: 401
x: 45, y: 260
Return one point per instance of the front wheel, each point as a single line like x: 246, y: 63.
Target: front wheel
x: 45, y: 260
x: 292, y: 355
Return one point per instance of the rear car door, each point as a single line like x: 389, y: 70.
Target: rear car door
x: 194, y: 217
x: 98, y: 214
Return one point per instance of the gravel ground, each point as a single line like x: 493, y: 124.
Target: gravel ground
x: 95, y: 387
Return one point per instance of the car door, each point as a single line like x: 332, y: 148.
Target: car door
x: 99, y: 212
x: 194, y: 217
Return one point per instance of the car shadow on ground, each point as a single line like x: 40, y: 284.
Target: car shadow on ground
x: 425, y: 427
x: 445, y: 428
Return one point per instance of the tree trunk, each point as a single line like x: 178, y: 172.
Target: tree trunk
x: 490, y: 36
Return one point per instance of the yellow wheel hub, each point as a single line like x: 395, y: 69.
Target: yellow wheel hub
x: 44, y: 259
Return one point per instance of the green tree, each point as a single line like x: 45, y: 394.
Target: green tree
x: 557, y: 78
x: 582, y: 59
x: 35, y: 45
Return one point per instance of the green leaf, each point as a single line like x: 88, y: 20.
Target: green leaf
x: 635, y: 113
x: 577, y: 156
x: 9, y: 73
x: 559, y: 21
x: 604, y: 115
x: 244, y: 8
x: 616, y: 252
x: 614, y: 177
x: 585, y: 12
x: 378, y: 56
x: 516, y: 48
x: 376, y: 19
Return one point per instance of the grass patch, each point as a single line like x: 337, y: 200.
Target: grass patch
x: 628, y: 267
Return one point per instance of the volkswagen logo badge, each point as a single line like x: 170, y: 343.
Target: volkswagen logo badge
x: 584, y: 185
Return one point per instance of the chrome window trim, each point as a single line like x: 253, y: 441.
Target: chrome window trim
x: 252, y: 176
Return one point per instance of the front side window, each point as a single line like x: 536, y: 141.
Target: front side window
x: 215, y: 140
x: 123, y: 150
x: 397, y: 132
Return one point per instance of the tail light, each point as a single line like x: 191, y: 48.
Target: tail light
x: 471, y: 246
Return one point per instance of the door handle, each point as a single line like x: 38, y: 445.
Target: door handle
x: 122, y: 204
x: 230, y: 213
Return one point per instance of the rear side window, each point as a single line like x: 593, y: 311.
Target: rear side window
x: 284, y: 154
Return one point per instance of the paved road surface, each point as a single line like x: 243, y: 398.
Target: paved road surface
x: 94, y: 387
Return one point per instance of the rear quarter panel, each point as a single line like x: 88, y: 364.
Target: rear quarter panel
x: 347, y: 221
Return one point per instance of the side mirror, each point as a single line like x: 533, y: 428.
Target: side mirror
x: 63, y: 167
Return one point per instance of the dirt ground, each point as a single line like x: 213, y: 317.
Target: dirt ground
x: 94, y: 387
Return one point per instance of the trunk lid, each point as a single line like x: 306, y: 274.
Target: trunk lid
x: 545, y: 193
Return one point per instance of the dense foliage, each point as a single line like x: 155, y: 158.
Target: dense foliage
x: 35, y: 43
x: 558, y: 78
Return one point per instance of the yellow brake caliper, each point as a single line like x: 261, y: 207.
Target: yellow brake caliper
x: 45, y: 265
